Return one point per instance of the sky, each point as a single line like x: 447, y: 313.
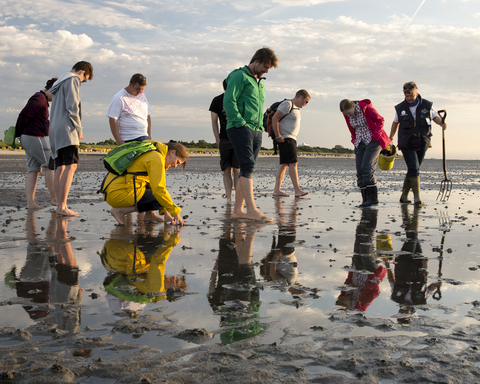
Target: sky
x: 335, y: 49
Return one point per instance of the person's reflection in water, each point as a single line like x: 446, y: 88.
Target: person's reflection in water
x: 363, y: 281
x: 409, y: 282
x: 280, y: 264
x: 233, y: 290
x: 50, y: 274
x: 136, y: 266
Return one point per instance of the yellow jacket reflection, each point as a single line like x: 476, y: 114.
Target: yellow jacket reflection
x: 135, y: 276
x: 122, y: 191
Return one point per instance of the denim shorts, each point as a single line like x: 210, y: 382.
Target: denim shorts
x: 246, y: 144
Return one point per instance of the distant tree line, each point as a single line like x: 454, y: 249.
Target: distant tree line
x: 337, y: 149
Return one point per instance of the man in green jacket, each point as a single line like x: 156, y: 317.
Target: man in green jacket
x: 243, y: 103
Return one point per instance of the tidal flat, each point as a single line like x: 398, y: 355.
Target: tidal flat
x: 328, y: 292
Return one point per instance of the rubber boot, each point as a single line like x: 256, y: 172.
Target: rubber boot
x: 363, y: 191
x: 415, y: 183
x: 372, y: 196
x: 407, y: 185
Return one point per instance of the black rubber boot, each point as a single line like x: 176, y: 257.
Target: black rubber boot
x: 372, y: 196
x: 363, y: 191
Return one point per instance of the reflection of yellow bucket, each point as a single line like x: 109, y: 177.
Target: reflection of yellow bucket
x: 384, y: 243
x: 386, y: 162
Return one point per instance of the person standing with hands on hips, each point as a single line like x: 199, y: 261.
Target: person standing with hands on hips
x: 368, y: 137
x: 413, y: 120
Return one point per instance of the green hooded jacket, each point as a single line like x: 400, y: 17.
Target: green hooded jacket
x: 244, y: 99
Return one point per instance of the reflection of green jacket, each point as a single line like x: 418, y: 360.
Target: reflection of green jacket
x: 244, y: 99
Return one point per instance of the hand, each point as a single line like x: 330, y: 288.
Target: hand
x: 80, y: 137
x: 280, y: 139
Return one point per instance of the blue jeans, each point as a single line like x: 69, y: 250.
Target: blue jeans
x: 141, y: 138
x: 366, y: 159
x: 413, y: 159
x: 246, y: 144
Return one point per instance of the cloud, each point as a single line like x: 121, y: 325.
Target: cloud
x: 70, y: 13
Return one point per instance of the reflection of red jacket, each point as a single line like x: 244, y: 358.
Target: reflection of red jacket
x: 371, y: 290
x: 374, y: 122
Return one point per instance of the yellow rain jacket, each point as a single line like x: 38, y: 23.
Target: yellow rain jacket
x: 120, y: 192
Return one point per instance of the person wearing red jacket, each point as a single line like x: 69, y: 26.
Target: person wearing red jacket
x: 369, y: 138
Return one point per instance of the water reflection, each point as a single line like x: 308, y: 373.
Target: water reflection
x: 49, y: 275
x: 409, y: 277
x: 233, y: 290
x: 362, y: 285
x: 280, y: 265
x: 135, y: 262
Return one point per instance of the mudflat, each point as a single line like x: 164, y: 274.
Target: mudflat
x: 327, y: 293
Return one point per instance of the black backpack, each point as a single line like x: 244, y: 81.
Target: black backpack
x: 267, y: 121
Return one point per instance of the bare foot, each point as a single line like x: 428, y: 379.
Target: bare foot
x: 66, y: 212
x: 281, y: 193
x: 34, y: 206
x: 151, y: 217
x: 239, y: 215
x: 120, y: 217
x: 53, y: 202
x: 258, y: 216
x: 300, y: 193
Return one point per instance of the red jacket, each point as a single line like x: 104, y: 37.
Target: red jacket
x: 374, y: 122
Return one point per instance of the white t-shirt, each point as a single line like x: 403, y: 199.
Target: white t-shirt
x: 131, y: 113
x: 290, y: 124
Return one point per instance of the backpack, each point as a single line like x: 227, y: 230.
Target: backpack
x: 268, y: 116
x: 9, y: 137
x: 119, y: 159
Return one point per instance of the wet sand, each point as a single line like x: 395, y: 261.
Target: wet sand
x: 328, y: 293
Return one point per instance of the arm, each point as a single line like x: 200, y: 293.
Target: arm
x: 230, y: 100
x: 72, y: 104
x: 276, y: 126
x: 437, y: 119
x: 114, y: 128
x: 149, y: 128
x: 215, y: 127
x: 155, y: 166
x: 393, y: 130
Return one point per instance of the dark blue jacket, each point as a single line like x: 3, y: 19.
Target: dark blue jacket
x: 414, y: 133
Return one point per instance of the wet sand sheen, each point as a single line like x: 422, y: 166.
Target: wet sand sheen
x: 327, y: 292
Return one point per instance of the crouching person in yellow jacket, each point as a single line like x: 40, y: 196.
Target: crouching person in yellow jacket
x: 143, y: 188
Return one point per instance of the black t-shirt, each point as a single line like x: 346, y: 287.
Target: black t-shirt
x: 217, y: 107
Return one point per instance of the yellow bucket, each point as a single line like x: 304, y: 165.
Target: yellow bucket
x: 385, y: 163
x: 384, y: 242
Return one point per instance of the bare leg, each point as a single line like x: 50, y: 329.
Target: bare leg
x: 245, y: 193
x: 228, y: 183
x: 277, y: 191
x: 30, y: 189
x: 292, y: 170
x: 63, y: 182
x: 119, y: 213
x: 50, y: 183
x: 236, y: 172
